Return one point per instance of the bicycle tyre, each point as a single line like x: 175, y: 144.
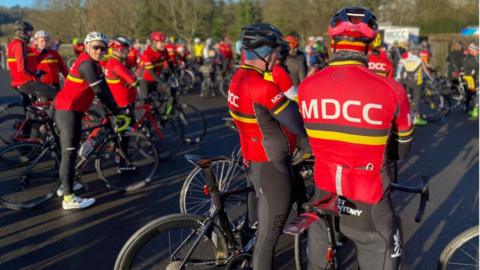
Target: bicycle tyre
x: 456, y: 245
x: 229, y: 174
x: 9, y: 125
x: 299, y: 251
x: 192, y: 121
x: 142, y: 154
x: 37, y: 180
x: 141, y: 238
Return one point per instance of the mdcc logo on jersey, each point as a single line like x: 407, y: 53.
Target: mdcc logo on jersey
x: 232, y: 99
x: 331, y: 109
x: 376, y: 66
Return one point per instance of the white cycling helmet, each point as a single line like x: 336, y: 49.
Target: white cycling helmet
x: 96, y: 36
x: 209, y: 41
x: 196, y: 40
x: 319, y: 39
x: 41, y: 34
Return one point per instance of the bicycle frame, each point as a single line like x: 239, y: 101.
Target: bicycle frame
x: 148, y: 115
x: 216, y: 211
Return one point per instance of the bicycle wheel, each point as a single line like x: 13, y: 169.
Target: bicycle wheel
x: 461, y: 252
x: 192, y: 121
x: 141, y: 153
x: 230, y: 176
x: 164, y: 242
x: 29, y: 175
x: 9, y: 125
x: 457, y: 96
x: 187, y: 80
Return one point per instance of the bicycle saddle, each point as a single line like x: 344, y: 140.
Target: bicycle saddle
x: 328, y: 204
x: 202, y: 162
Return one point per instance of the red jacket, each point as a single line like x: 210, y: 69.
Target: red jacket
x: 21, y: 62
x: 351, y: 115
x: 253, y: 101
x: 51, y: 63
x: 151, y: 59
x: 381, y: 65
x: 120, y: 81
x: 76, y: 94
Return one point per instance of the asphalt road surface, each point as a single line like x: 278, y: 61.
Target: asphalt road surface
x: 50, y: 238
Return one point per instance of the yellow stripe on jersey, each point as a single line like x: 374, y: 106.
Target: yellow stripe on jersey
x: 282, y: 107
x: 73, y: 79
x: 348, y: 138
x: 243, y: 119
x: 113, y: 81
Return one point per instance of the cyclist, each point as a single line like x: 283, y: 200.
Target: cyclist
x: 133, y: 58
x: 470, y: 69
x: 412, y: 71
x: 84, y: 81
x: 22, y: 65
x: 77, y: 46
x: 122, y: 84
x: 322, y: 53
x: 378, y: 61
x: 151, y: 65
x: 50, y: 63
x: 425, y: 53
x: 312, y: 56
x: 198, y: 51
x: 356, y: 122
x: 225, y: 50
x: 295, y: 61
x: 263, y: 114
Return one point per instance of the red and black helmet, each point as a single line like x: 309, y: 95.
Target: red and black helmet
x: 353, y: 24
x: 157, y: 36
x: 119, y: 42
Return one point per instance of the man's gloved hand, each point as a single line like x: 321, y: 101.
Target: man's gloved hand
x: 303, y: 152
x: 122, y: 122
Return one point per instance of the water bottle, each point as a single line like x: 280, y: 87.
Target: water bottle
x: 87, y: 147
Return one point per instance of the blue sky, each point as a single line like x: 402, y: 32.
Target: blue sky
x: 10, y: 3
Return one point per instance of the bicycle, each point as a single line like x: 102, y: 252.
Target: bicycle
x: 461, y: 252
x: 457, y: 93
x: 188, y: 116
x: 326, y: 209
x: 30, y: 169
x: 170, y: 134
x: 191, y: 241
x: 14, y: 122
x: 434, y: 106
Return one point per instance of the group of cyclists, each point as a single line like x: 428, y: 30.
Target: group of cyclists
x: 346, y: 110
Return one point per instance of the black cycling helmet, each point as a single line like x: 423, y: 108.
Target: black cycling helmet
x: 23, y: 29
x: 23, y: 26
x: 119, y: 42
x: 261, y: 34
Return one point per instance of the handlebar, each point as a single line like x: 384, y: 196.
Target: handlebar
x: 424, y: 194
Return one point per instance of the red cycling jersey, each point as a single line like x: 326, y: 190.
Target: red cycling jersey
x: 21, y: 62
x: 253, y: 102
x: 151, y: 60
x: 76, y: 94
x: 120, y: 81
x: 51, y: 63
x: 351, y: 115
x: 225, y: 49
x: 132, y: 58
x: 380, y: 64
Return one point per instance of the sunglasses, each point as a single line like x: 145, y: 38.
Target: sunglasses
x: 101, y: 48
